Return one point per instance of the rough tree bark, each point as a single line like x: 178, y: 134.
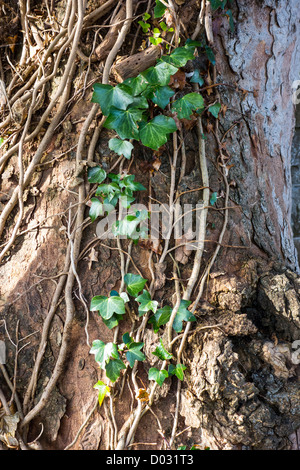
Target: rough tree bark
x: 241, y: 388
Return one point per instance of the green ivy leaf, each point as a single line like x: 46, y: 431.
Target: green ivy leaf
x: 155, y: 41
x: 129, y: 227
x: 126, y: 201
x: 113, y: 369
x: 115, y: 178
x: 110, y: 202
x: 124, y: 122
x: 196, y: 78
x: 160, y: 74
x: 107, y: 306
x: 163, y: 26
x: 161, y: 96
x: 109, y: 97
x: 137, y: 84
x: 159, y: 9
x: 145, y: 26
x: 156, y: 32
x: 135, y: 283
x: 183, y: 314
x: 177, y: 370
x: 124, y: 296
x: 103, y: 390
x: 215, y: 4
x: 192, y: 44
x: 127, y: 339
x: 129, y: 183
x: 134, y: 353
x: 108, y: 190
x: 140, y: 102
x: 121, y: 147
x: 96, y: 209
x: 158, y: 375
x: 185, y: 106
x: 146, y: 303
x: 215, y: 109
x: 154, y: 133
x: 213, y: 198
x: 210, y: 55
x: 113, y: 321
x: 230, y: 19
x: 113, y: 293
x: 179, y: 56
x: 162, y: 353
x: 96, y: 174
x: 161, y: 317
x: 103, y: 352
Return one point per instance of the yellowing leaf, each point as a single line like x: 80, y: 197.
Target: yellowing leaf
x: 103, y: 391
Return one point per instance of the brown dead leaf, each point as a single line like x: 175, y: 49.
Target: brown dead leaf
x: 160, y: 151
x: 177, y: 121
x: 11, y: 41
x: 209, y: 127
x: 142, y: 395
x: 178, y: 81
x: 209, y: 83
x: 169, y: 18
x: 151, y: 244
x: 156, y: 164
x: 153, y: 165
x: 189, y: 123
x: 230, y: 166
x: 223, y: 109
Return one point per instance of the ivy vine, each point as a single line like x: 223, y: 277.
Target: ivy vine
x: 144, y: 109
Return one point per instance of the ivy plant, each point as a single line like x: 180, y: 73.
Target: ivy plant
x: 131, y: 226
x: 110, y: 356
x: 159, y: 9
x: 140, y: 109
x: 161, y: 375
x: 162, y: 316
x: 126, y: 105
x: 103, y: 390
x: 118, y: 189
x: 135, y: 283
x: 112, y: 308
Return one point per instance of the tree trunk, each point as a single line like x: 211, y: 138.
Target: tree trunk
x: 241, y: 385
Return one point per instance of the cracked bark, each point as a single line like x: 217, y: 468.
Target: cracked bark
x: 243, y: 387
